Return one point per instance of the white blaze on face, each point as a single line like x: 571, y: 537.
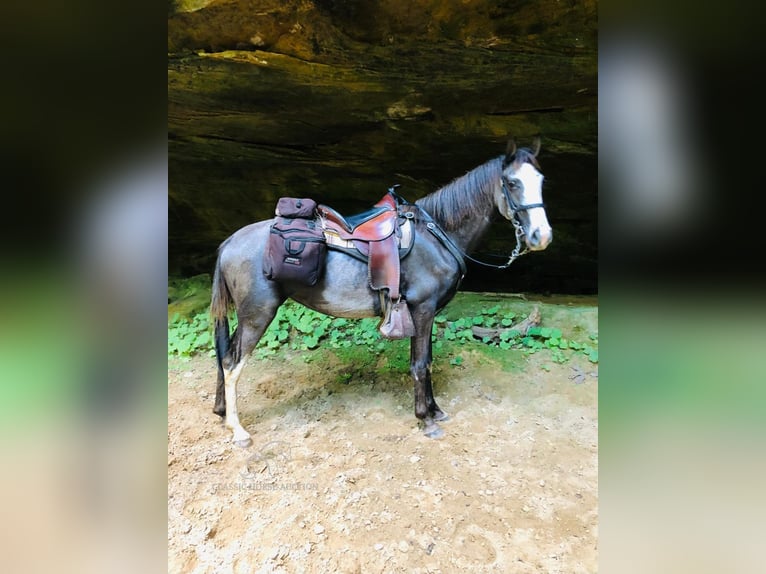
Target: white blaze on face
x: 539, y: 233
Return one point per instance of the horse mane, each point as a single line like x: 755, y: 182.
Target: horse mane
x: 468, y: 196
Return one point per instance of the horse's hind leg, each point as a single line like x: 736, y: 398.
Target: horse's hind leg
x: 241, y: 436
x: 222, y: 345
x: 248, y: 333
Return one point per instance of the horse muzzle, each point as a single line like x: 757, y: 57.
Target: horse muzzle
x: 539, y: 238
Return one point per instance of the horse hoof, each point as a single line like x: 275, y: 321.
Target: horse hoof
x: 244, y: 443
x: 441, y: 416
x: 433, y: 431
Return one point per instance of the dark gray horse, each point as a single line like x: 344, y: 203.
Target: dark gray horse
x: 449, y: 223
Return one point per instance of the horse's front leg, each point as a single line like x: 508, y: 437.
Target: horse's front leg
x: 426, y: 408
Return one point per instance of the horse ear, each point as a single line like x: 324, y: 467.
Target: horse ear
x: 536, y: 146
x: 509, y: 151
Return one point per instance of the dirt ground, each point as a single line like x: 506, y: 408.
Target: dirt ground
x: 341, y: 479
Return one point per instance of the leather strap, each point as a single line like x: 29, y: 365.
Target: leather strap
x: 445, y: 240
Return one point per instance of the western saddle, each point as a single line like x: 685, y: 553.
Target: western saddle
x: 375, y: 235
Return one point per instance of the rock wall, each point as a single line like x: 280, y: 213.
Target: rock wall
x: 339, y: 100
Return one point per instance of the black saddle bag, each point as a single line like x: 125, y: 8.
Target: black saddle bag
x: 296, y: 247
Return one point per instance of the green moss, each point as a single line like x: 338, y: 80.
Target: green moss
x: 509, y: 361
x: 189, y: 296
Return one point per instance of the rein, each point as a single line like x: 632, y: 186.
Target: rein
x: 515, y: 254
x: 460, y: 255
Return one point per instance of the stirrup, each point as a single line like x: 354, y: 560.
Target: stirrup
x: 397, y: 322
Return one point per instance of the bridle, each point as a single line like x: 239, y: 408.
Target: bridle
x: 518, y: 227
x: 515, y: 208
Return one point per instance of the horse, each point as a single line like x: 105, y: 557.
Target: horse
x: 449, y: 223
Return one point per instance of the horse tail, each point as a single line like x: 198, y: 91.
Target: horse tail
x: 221, y: 299
x: 220, y: 303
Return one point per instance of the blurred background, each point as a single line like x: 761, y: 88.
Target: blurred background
x: 83, y: 275
x: 682, y: 391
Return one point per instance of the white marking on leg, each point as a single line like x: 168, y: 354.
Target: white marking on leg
x: 231, y: 377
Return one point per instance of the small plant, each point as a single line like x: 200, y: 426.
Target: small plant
x: 496, y: 330
x: 189, y: 336
x: 300, y: 329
